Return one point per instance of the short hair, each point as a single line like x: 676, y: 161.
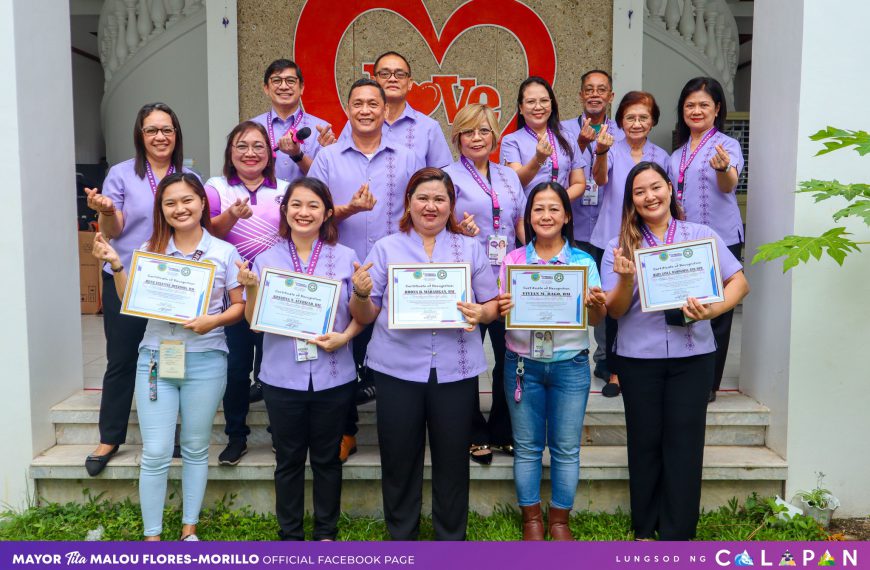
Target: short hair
x: 328, y: 229
x: 177, y: 159
x: 229, y: 170
x: 586, y: 75
x: 712, y: 88
x: 395, y: 53
x: 638, y: 98
x: 280, y: 65
x: 366, y: 82
x: 470, y: 117
x: 429, y: 174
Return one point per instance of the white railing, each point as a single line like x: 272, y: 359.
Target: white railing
x: 704, y: 28
x: 126, y: 26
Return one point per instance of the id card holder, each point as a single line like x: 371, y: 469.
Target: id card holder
x: 305, y: 350
x: 590, y: 196
x: 542, y: 344
x: 496, y: 248
x: 172, y: 359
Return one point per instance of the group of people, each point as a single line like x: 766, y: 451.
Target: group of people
x: 292, y: 195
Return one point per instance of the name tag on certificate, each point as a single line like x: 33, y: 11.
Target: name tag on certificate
x: 172, y: 359
x: 590, y: 196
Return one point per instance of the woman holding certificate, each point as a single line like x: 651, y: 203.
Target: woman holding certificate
x: 126, y: 206
x: 667, y: 358
x: 547, y: 368
x: 707, y: 165
x: 637, y: 114
x: 182, y: 367
x: 308, y: 386
x: 489, y: 196
x: 426, y: 288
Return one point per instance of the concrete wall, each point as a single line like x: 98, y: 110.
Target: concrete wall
x: 805, y: 334
x: 88, y: 79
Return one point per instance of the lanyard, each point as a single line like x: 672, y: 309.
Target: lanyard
x: 152, y: 180
x: 554, y: 157
x: 312, y: 262
x: 684, y: 164
x: 294, y: 120
x: 496, y: 209
x: 669, y: 237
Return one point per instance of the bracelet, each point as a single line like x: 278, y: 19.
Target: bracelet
x: 359, y: 295
x: 109, y: 213
x: 120, y: 269
x: 602, y: 153
x: 298, y: 157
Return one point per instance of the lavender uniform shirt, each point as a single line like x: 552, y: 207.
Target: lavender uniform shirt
x: 611, y: 195
x: 703, y: 202
x: 134, y: 198
x: 343, y: 168
x: 647, y: 335
x: 471, y: 198
x: 285, y: 168
x: 519, y: 146
x: 585, y: 216
x: 330, y: 369
x: 455, y: 354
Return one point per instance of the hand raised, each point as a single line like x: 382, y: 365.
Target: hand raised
x: 721, y: 159
x: 587, y: 134
x: 288, y: 145
x: 246, y: 277
x: 604, y: 140
x: 544, y: 149
x: 362, y: 281
x: 241, y: 210
x: 622, y: 266
x: 468, y: 226
x: 363, y: 200
x: 98, y: 202
x: 105, y: 252
x: 325, y: 135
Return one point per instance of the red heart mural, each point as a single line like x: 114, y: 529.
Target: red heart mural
x: 323, y: 23
x: 425, y: 96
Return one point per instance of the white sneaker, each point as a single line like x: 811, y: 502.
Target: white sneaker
x: 190, y: 538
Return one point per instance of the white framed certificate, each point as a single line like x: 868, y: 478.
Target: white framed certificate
x: 669, y: 274
x: 167, y: 288
x: 424, y: 296
x: 295, y: 304
x: 546, y: 297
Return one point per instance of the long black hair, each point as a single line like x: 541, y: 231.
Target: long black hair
x: 177, y: 159
x: 630, y: 229
x: 567, y: 227
x: 553, y: 121
x: 712, y: 88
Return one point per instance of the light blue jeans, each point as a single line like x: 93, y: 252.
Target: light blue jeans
x: 196, y: 398
x: 551, y: 413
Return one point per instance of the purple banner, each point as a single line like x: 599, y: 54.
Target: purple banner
x: 432, y: 555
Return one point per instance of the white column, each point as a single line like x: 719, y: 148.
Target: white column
x: 627, y: 67
x: 40, y: 343
x: 223, y: 78
x: 805, y: 334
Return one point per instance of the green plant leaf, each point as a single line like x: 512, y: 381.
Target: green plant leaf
x: 824, y: 189
x: 797, y: 249
x: 860, y: 209
x: 842, y: 139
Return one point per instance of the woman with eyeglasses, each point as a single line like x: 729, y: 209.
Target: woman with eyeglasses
x: 538, y: 150
x: 489, y: 202
x: 126, y: 213
x: 245, y: 209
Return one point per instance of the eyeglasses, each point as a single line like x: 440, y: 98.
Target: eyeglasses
x: 276, y: 81
x: 256, y: 148
x: 636, y: 119
x: 483, y: 132
x: 600, y: 90
x: 544, y: 103
x: 152, y: 131
x: 397, y: 73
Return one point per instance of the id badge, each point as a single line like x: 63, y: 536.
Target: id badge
x: 172, y: 359
x: 305, y: 350
x: 496, y: 248
x: 590, y: 196
x: 542, y: 344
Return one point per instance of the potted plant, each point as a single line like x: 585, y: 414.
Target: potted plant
x: 818, y: 503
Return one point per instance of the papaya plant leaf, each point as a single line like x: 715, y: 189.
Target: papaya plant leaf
x: 859, y: 209
x: 798, y: 249
x: 842, y: 139
x: 824, y: 189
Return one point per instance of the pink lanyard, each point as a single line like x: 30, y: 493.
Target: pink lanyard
x: 554, y: 157
x: 669, y: 237
x: 312, y: 263
x: 496, y: 209
x: 294, y: 120
x: 684, y: 164
x: 152, y: 181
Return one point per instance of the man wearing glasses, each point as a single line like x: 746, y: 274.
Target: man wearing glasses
x: 283, y: 84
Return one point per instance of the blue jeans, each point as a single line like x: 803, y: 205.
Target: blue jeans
x: 196, y: 397
x: 550, y: 412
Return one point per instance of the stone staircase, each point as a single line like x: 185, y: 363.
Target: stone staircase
x: 736, y: 462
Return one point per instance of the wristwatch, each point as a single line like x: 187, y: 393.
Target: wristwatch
x: 727, y: 166
x: 298, y: 157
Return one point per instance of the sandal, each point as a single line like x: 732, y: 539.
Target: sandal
x: 482, y: 458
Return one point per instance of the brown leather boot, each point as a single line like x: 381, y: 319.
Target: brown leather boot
x: 558, y: 522
x: 533, y: 523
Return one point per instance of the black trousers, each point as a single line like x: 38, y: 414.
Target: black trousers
x: 497, y: 429
x: 246, y: 354
x: 123, y: 335
x: 665, y: 416
x: 722, y: 330
x: 405, y: 411
x: 307, y: 423
x: 360, y: 345
x: 611, y: 326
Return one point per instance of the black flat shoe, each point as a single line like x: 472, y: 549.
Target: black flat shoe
x: 712, y: 396
x: 610, y: 390
x: 94, y: 464
x: 482, y: 459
